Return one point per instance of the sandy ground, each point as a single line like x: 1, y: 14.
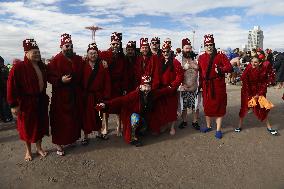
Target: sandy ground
x: 251, y: 159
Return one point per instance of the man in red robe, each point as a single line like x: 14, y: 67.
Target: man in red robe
x: 255, y: 80
x: 96, y: 83
x: 130, y: 61
x: 155, y: 46
x: 65, y: 74
x: 167, y: 73
x: 26, y: 94
x: 118, y: 73
x: 136, y: 109
x: 212, y: 68
x: 142, y: 61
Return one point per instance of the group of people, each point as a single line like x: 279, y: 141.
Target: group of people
x: 147, y: 92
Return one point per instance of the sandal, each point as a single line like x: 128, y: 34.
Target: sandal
x: 60, y: 152
x: 85, y: 141
x: 272, y: 131
x: 103, y: 137
x: 239, y: 129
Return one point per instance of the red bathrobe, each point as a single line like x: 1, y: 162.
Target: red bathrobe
x: 118, y: 72
x: 140, y: 68
x: 166, y: 107
x: 23, y: 91
x: 66, y: 101
x: 131, y: 103
x: 254, y: 82
x: 97, y: 91
x: 214, y: 89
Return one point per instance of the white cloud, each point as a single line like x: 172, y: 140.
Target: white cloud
x: 44, y: 21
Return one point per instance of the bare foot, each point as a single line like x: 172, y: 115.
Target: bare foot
x: 28, y: 156
x: 42, y: 153
x: 118, y: 132
x: 173, y: 131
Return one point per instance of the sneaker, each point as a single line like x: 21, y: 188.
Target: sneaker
x: 195, y: 125
x: 272, y: 131
x: 218, y: 134
x: 238, y: 130
x: 182, y: 125
x: 205, y: 129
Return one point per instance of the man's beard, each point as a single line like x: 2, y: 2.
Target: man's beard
x: 186, y: 54
x: 69, y: 53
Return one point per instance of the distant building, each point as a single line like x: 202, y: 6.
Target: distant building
x: 255, y: 38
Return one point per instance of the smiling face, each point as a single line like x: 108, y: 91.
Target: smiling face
x: 255, y: 62
x: 166, y: 53
x: 34, y: 55
x: 144, y: 50
x: 145, y: 88
x: 92, y: 55
x: 130, y: 51
x: 67, y: 49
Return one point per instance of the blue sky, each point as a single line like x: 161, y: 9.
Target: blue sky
x: 45, y: 21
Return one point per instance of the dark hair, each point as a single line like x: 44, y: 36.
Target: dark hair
x: 212, y: 56
x: 178, y: 50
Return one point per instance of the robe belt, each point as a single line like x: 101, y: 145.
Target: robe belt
x: 209, y: 83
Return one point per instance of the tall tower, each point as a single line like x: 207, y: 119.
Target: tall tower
x: 93, y: 29
x: 255, y: 38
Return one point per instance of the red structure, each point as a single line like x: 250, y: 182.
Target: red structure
x: 93, y: 29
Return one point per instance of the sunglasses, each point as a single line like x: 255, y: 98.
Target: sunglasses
x: 165, y: 51
x: 114, y: 44
x: 67, y: 46
x: 155, y: 43
x: 208, y: 45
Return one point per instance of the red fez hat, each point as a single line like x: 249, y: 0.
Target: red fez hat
x: 65, y: 38
x: 92, y: 46
x: 146, y: 79
x: 131, y: 44
x: 166, y: 45
x: 185, y: 41
x: 156, y: 40
x: 208, y: 38
x: 116, y: 37
x: 29, y: 44
x: 144, y: 42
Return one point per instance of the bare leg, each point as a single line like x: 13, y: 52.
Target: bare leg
x: 28, y: 156
x: 105, y: 124
x: 241, y: 122
x: 39, y: 149
x: 208, y: 121
x: 268, y: 125
x: 118, y: 128
x: 184, y: 115
x: 173, y: 130
x: 195, y: 115
x: 219, y: 123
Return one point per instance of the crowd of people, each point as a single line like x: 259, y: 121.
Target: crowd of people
x: 146, y: 90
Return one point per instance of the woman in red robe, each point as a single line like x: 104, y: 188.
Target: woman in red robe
x: 26, y: 94
x: 65, y: 74
x: 212, y: 68
x: 167, y: 73
x: 96, y: 83
x: 255, y: 80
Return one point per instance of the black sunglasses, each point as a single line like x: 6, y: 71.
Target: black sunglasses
x: 67, y: 46
x: 165, y: 51
x: 207, y: 45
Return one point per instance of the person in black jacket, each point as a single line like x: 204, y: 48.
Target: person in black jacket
x: 5, y: 111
